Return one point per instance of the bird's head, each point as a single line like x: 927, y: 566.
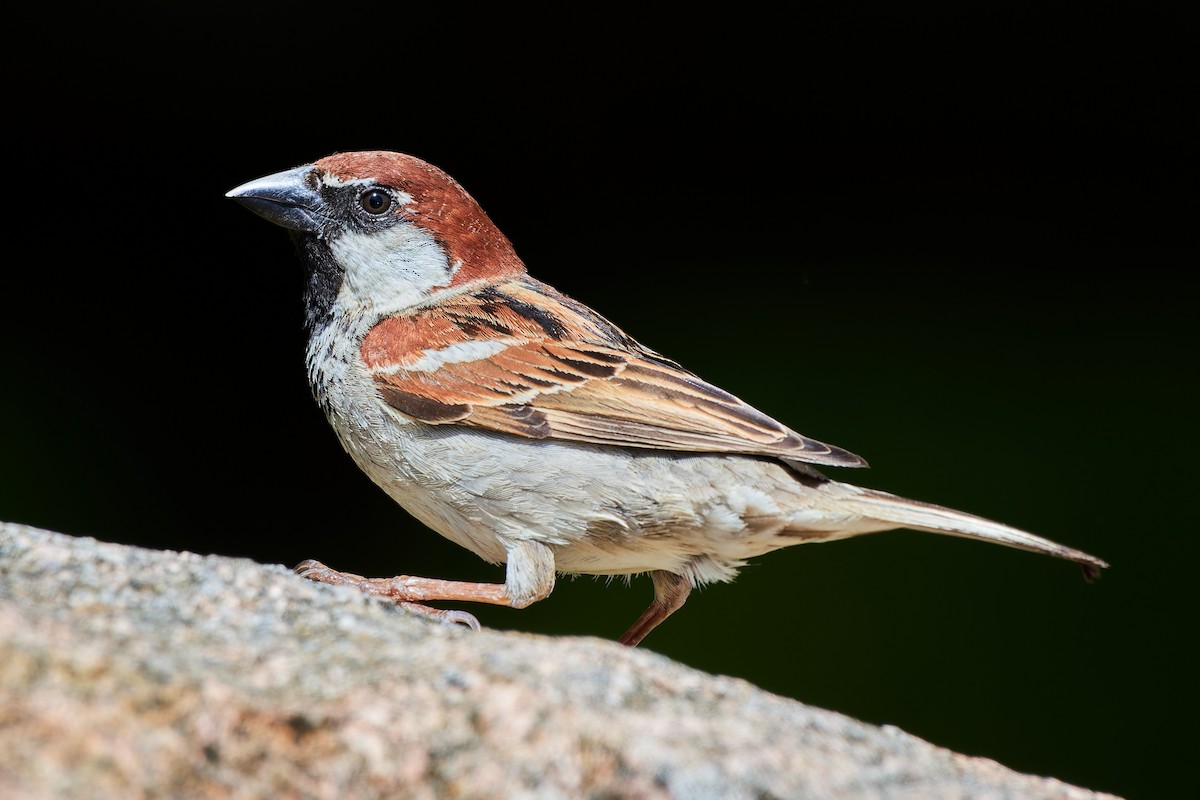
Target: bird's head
x: 380, y: 229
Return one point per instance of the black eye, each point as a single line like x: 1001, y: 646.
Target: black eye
x: 375, y: 201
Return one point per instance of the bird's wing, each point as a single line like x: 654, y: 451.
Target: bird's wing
x: 521, y: 358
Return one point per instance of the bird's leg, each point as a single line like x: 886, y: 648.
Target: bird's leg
x: 670, y: 592
x: 529, y: 577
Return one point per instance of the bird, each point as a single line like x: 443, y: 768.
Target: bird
x: 524, y: 426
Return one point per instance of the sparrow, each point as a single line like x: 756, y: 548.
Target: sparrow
x: 522, y: 425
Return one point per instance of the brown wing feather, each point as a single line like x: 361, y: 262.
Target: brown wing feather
x: 555, y: 369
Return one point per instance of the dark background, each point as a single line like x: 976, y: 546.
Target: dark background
x: 957, y: 242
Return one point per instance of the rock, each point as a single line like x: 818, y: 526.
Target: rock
x: 127, y: 672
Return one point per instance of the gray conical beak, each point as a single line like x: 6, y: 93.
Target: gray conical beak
x: 285, y: 198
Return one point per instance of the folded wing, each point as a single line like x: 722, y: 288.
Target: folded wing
x: 523, y: 359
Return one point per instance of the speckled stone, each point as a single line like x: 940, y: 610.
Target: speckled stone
x: 127, y: 672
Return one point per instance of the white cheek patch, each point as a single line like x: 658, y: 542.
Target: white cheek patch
x: 390, y: 270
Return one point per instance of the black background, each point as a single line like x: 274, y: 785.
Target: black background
x: 956, y: 242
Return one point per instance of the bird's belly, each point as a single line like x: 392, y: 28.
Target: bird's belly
x: 603, y: 510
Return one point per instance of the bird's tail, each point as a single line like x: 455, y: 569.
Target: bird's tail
x: 898, y: 512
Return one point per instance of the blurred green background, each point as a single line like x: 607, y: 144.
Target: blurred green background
x: 957, y: 242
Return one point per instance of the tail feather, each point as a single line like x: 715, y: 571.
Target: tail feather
x: 900, y: 512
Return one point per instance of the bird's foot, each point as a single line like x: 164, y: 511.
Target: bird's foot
x: 394, y: 589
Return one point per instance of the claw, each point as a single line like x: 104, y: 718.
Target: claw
x: 449, y: 616
x: 307, y: 567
